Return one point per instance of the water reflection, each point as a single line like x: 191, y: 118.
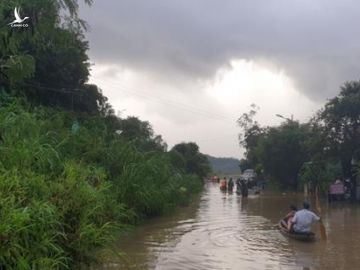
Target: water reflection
x: 225, y: 231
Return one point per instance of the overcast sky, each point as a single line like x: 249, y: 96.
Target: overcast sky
x: 192, y: 67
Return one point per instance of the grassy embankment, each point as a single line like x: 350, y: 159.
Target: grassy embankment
x: 63, y: 194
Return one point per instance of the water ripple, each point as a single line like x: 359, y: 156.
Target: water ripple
x: 223, y: 231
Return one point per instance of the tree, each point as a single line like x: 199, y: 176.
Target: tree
x: 282, y: 152
x: 15, y: 65
x: 133, y: 127
x: 341, y: 120
x: 244, y: 164
x: 47, y: 62
x: 142, y: 133
x: 251, y: 134
x: 194, y: 161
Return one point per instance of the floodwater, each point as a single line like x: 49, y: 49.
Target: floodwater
x: 224, y: 231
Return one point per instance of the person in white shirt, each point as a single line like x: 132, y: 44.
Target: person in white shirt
x: 303, y: 219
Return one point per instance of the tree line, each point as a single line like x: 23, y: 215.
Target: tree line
x: 316, y: 152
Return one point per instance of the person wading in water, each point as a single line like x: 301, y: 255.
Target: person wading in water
x: 230, y: 184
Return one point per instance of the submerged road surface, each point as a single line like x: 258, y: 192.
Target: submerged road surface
x: 224, y: 231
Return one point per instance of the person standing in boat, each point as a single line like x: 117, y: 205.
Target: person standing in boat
x: 303, y: 219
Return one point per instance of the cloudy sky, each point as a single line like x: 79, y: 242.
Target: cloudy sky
x: 192, y: 67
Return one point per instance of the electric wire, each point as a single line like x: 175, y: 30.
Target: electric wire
x: 78, y: 91
x: 170, y: 102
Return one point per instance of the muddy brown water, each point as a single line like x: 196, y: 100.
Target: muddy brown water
x: 224, y: 231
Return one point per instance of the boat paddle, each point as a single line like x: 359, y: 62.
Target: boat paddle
x: 321, y: 225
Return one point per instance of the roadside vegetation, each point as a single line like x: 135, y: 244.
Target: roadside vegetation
x: 72, y: 173
x: 317, y: 152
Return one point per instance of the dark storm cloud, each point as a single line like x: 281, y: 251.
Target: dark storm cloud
x: 317, y: 43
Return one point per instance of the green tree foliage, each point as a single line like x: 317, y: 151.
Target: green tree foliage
x: 320, y: 173
x: 244, y: 164
x: 141, y: 133
x: 251, y: 134
x: 341, y: 121
x: 282, y: 152
x: 47, y: 62
x: 194, y: 161
x: 329, y: 141
x: 133, y: 127
x: 278, y: 152
x: 15, y: 65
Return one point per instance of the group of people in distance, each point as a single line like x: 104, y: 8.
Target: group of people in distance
x: 300, y: 221
x: 241, y: 186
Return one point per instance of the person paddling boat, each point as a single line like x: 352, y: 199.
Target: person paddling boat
x: 303, y: 219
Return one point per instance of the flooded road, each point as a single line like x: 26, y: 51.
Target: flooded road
x: 224, y: 231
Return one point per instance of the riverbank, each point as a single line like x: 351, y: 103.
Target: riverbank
x: 68, y: 181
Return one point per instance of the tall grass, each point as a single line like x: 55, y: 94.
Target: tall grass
x: 64, y: 194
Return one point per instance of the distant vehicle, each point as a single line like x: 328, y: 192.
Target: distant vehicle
x: 249, y: 175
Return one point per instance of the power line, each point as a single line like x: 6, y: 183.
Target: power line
x: 61, y: 89
x: 170, y: 102
x: 204, y: 113
x: 161, y: 100
x: 178, y: 104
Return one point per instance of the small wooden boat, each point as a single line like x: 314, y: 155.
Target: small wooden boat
x: 306, y: 237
